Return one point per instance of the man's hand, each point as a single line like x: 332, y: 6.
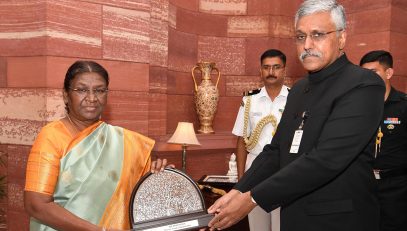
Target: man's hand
x: 230, y: 209
x: 159, y: 165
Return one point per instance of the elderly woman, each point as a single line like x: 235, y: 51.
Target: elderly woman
x: 81, y: 170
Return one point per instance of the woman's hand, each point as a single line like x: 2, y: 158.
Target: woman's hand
x: 159, y: 165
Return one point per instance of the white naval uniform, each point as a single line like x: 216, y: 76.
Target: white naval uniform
x: 260, y: 106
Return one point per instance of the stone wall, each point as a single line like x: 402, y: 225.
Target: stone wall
x: 149, y: 48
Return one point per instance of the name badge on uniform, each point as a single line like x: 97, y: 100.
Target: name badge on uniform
x: 295, y: 145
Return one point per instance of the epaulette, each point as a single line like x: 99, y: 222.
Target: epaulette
x: 251, y: 92
x: 248, y: 93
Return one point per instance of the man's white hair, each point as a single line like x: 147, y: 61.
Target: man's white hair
x: 314, y: 6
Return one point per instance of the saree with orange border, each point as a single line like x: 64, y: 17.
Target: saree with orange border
x: 92, y: 174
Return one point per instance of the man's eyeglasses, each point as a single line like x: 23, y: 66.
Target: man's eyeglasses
x: 85, y: 91
x: 314, y: 36
x: 275, y: 67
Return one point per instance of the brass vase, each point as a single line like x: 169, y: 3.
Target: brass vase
x: 206, y: 96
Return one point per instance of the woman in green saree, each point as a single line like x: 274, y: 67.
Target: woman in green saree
x: 81, y: 170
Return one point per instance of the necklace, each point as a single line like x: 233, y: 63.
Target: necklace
x: 73, y: 125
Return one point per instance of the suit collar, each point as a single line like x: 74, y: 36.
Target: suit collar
x: 325, y: 73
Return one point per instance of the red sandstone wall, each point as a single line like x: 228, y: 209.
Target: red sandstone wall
x: 379, y: 24
x: 233, y: 34
x: 39, y: 39
x: 149, y: 48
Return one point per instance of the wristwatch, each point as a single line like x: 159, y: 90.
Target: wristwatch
x: 253, y: 200
x: 250, y: 197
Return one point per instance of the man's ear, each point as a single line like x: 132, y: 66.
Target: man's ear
x: 389, y: 73
x: 342, y: 40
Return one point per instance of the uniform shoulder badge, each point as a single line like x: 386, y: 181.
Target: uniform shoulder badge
x: 251, y: 92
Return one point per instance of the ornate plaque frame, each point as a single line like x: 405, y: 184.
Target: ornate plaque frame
x: 169, y: 200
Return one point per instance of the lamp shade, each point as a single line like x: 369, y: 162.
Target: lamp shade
x: 184, y: 134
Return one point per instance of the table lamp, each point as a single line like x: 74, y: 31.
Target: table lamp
x: 184, y: 135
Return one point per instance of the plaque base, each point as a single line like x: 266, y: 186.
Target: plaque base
x: 218, y: 181
x: 177, y: 223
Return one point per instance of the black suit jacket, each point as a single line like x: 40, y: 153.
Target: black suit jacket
x: 329, y: 184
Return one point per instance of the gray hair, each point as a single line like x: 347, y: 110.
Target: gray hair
x: 314, y: 6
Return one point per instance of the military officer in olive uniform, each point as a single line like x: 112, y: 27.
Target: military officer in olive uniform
x: 258, y: 116
x: 391, y: 146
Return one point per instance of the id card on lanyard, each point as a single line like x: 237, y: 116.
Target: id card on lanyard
x: 295, y: 145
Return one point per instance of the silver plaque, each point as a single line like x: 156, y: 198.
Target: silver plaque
x: 169, y: 200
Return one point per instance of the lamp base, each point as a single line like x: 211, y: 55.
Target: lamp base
x: 184, y: 158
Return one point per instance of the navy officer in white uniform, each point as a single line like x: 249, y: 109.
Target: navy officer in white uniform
x: 257, y: 119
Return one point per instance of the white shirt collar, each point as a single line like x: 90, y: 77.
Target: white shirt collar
x: 283, y: 92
